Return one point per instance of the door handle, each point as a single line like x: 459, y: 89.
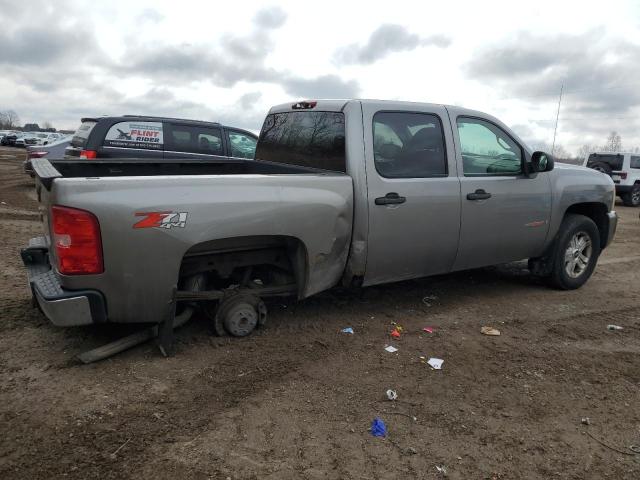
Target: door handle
x: 479, y: 194
x: 391, y: 198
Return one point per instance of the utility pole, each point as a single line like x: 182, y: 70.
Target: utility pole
x: 555, y: 130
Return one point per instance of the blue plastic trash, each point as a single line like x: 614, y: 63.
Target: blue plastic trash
x: 348, y: 330
x: 378, y: 428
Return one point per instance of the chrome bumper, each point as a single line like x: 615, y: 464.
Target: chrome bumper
x: 64, y: 308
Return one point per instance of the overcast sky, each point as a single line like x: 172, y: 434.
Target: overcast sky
x: 230, y: 61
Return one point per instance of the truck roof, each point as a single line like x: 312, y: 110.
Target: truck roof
x: 337, y: 105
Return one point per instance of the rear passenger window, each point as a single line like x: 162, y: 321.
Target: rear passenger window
x: 147, y: 135
x: 195, y: 139
x: 241, y: 145
x: 408, y: 145
x: 635, y: 161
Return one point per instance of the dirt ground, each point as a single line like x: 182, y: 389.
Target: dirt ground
x: 296, y: 399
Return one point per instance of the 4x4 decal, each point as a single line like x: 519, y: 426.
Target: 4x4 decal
x: 161, y: 219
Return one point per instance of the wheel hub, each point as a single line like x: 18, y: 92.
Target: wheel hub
x: 241, y: 319
x: 578, y: 255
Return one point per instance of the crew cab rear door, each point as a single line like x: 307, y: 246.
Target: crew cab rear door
x: 413, y: 192
x: 505, y: 213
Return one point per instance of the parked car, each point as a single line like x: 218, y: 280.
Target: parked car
x: 357, y: 192
x: 4, y: 133
x: 623, y: 168
x: 158, y: 137
x: 52, y: 151
x: 9, y: 140
x: 42, y: 138
x: 21, y: 139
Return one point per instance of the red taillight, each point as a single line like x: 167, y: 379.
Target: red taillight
x: 623, y: 175
x: 88, y: 154
x: 36, y: 154
x: 76, y: 237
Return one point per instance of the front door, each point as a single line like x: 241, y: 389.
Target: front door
x: 413, y: 193
x: 505, y: 214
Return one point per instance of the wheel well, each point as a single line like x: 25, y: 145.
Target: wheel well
x: 271, y: 260
x: 596, y: 212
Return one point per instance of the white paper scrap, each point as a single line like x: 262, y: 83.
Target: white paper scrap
x: 436, y: 363
x: 391, y: 349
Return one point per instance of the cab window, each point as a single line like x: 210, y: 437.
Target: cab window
x: 408, y: 145
x: 487, y: 149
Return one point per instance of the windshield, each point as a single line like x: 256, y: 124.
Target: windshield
x: 307, y: 139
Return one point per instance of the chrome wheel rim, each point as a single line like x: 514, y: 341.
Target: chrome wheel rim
x: 635, y: 195
x: 578, y: 254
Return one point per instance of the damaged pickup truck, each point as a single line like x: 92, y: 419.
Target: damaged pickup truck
x: 355, y: 192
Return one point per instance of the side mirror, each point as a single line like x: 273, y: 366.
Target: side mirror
x: 541, y: 162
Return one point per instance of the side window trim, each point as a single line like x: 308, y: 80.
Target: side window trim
x: 444, y: 143
x: 522, y: 150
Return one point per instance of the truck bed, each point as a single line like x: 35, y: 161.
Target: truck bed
x: 219, y: 203
x: 151, y: 167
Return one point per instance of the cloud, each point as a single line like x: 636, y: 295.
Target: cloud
x: 325, y: 86
x: 270, y: 18
x: 596, y: 70
x: 34, y: 45
x: 150, y: 15
x: 248, y: 100
x: 386, y: 39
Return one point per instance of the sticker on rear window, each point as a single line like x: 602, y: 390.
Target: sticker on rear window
x: 135, y: 135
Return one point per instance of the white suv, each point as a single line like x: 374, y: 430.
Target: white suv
x: 624, y: 169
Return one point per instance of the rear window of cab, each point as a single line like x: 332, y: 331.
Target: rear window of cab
x: 306, y: 139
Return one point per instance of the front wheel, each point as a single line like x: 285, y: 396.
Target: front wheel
x: 576, y: 252
x: 632, y: 198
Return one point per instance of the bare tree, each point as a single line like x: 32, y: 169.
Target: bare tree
x: 47, y: 125
x: 614, y: 142
x: 585, y: 150
x: 13, y: 120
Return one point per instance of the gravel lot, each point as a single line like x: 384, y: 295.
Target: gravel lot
x: 295, y: 400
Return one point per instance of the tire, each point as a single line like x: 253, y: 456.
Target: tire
x: 603, y: 167
x: 632, y: 198
x: 577, y: 239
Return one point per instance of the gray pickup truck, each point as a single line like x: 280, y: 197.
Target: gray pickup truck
x: 351, y: 192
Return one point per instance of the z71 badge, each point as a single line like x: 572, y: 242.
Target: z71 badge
x: 161, y: 219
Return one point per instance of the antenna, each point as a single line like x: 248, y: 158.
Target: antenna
x: 555, y: 130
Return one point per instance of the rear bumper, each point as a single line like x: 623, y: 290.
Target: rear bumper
x: 63, y: 308
x: 613, y: 225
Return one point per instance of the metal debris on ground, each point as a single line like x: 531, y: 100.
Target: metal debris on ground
x: 348, y: 330
x: 585, y: 421
x: 614, y: 327
x: 392, y: 394
x: 491, y: 331
x: 435, y: 363
x: 378, y: 428
x: 429, y: 299
x: 391, y: 349
x: 442, y: 469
